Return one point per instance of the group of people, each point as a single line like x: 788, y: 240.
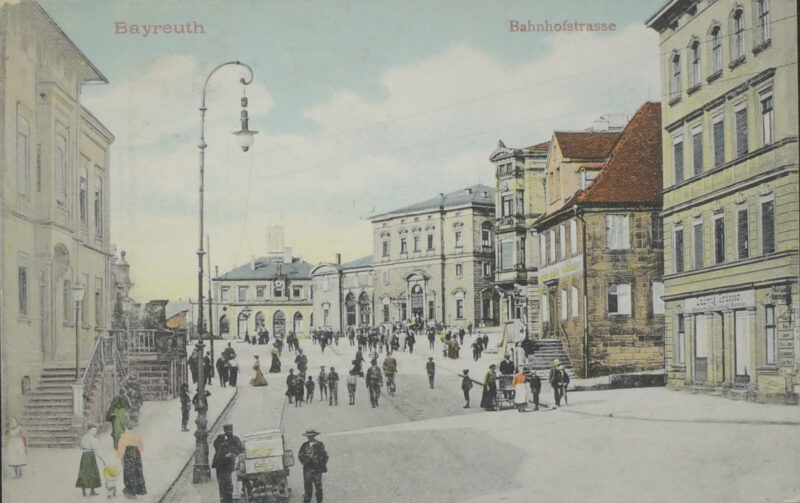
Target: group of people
x: 228, y: 367
x: 558, y: 378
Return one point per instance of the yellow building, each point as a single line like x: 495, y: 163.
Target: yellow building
x: 54, y: 227
x: 344, y: 295
x: 730, y: 152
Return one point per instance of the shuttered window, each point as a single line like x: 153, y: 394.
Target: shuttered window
x: 741, y: 132
x: 678, y: 157
x: 767, y: 227
x: 697, y: 152
x: 719, y: 143
x: 678, y: 250
x: 719, y: 240
x: 698, y: 246
x: 741, y: 234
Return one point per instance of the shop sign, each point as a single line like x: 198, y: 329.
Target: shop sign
x: 562, y: 269
x: 721, y: 302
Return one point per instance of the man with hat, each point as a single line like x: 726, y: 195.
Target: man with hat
x: 430, y: 368
x: 556, y: 380
x: 374, y: 382
x: 315, y: 462
x: 226, y: 448
x: 466, y: 385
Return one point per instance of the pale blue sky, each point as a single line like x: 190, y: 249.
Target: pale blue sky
x: 361, y: 107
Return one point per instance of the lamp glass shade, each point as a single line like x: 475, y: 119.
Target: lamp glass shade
x: 78, y: 290
x: 245, y: 138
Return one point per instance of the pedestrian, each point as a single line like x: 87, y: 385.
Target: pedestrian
x: 564, y: 383
x: 352, y: 380
x: 536, y: 387
x: 507, y: 366
x: 430, y: 368
x: 485, y: 341
x: 310, y: 390
x: 227, y: 447
x: 555, y: 381
x: 88, y: 473
x: 258, y: 379
x: 314, y: 458
x: 431, y: 338
x: 223, y: 375
x: 275, y: 366
x: 229, y: 352
x: 16, y: 455
x: 374, y: 383
x: 322, y: 380
x: 111, y: 474
x: 489, y: 396
x: 130, y: 451
x: 193, y: 365
x: 333, y: 387
x: 186, y: 405
x: 290, y: 386
x: 520, y: 385
x: 233, y: 371
x: 117, y: 415
x: 466, y: 386
x: 302, y: 363
x: 461, y: 334
x: 135, y: 398
x: 411, y: 340
x: 208, y: 369
x: 469, y: 329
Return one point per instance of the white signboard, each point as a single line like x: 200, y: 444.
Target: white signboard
x: 561, y: 269
x: 721, y: 302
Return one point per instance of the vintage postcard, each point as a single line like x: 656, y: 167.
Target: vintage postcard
x: 399, y: 251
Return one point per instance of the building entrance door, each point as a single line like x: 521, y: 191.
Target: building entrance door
x: 742, y: 343
x: 417, y: 302
x: 701, y: 348
x: 279, y: 324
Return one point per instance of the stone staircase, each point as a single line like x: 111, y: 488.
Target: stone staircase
x: 47, y: 415
x: 154, y: 378
x: 541, y: 361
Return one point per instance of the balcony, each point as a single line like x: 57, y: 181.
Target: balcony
x: 516, y: 222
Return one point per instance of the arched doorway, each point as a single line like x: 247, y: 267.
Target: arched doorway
x: 417, y: 302
x: 364, y: 309
x: 279, y: 324
x: 260, y: 321
x: 224, y: 326
x: 297, y: 323
x: 350, y: 308
x: 241, y: 327
x: 61, y: 309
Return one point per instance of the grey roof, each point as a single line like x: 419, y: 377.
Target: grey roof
x: 270, y: 269
x: 357, y: 263
x: 468, y: 195
x: 174, y: 307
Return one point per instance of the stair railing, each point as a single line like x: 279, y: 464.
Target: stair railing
x: 93, y: 367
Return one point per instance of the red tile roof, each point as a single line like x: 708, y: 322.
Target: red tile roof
x: 540, y: 146
x: 633, y: 173
x: 586, y: 144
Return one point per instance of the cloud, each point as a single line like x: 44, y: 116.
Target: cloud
x: 430, y: 130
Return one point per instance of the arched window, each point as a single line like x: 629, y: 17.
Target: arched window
x: 716, y: 49
x: 694, y: 51
x: 297, y: 323
x: 385, y: 309
x: 224, y: 325
x: 737, y: 34
x: 350, y: 309
x: 675, y: 78
x: 260, y: 321
x: 364, y: 309
x: 279, y: 324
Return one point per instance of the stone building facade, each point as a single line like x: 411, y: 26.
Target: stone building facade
x: 433, y: 260
x: 272, y: 293
x: 730, y: 150
x: 54, y: 226
x: 519, y: 201
x: 344, y: 295
x: 601, y: 251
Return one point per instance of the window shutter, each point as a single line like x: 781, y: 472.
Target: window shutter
x: 697, y: 153
x: 742, y: 236
x: 624, y: 298
x: 719, y: 143
x: 719, y: 240
x: 678, y: 155
x: 698, y: 246
x: 679, y: 251
x: 768, y: 227
x: 741, y: 132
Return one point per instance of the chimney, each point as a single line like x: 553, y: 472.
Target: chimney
x: 252, y: 262
x: 338, y: 259
x: 216, y: 271
x: 468, y: 191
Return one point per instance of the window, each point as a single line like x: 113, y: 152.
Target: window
x: 431, y: 310
x: 562, y: 240
x: 769, y: 332
x: 23, y: 157
x: 22, y: 277
x: 297, y: 292
x: 552, y: 246
x: 763, y: 31
x: 574, y: 302
x: 563, y: 304
x: 260, y: 290
x: 697, y: 234
x: 675, y: 80
x: 695, y: 52
x: 542, y: 249
x: 459, y: 270
x: 545, y: 310
x: 719, y: 238
x: 658, y: 294
x: 416, y: 243
x: 487, y: 269
x: 486, y: 235
x: 656, y: 231
x: 677, y: 155
x: 767, y: 119
x: 223, y: 294
x: 716, y: 49
x: 680, y: 342
x: 385, y: 277
x: 767, y: 226
x: 459, y: 242
x: 60, y: 170
x: 619, y: 299
x: 83, y: 197
x: 678, y: 245
x: 573, y: 236
x: 242, y: 294
x: 403, y: 246
x: 385, y: 309
x: 460, y: 305
x: 277, y: 289
x: 617, y: 232
x: 98, y: 302
x: 697, y: 151
x: 507, y: 205
x: 385, y: 248
x: 741, y: 131
x: 98, y: 208
x: 506, y: 255
x: 718, y: 130
x: 430, y: 242
x: 737, y: 43
x: 521, y: 251
x: 742, y: 236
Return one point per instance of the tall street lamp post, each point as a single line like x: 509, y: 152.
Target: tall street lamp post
x: 202, y: 472
x: 78, y: 290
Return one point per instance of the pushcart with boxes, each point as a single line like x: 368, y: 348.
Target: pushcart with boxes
x: 263, y: 469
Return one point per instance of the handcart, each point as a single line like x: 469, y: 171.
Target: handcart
x: 263, y: 469
x: 505, y: 391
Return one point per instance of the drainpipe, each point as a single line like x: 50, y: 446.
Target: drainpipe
x: 579, y: 216
x: 441, y: 250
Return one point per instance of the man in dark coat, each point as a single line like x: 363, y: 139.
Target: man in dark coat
x: 290, y: 385
x: 536, y: 387
x: 410, y: 341
x: 333, y: 387
x: 226, y: 447
x: 322, y: 381
x: 186, y: 405
x: 374, y: 382
x: 222, y: 371
x: 466, y: 385
x: 301, y: 361
x: 556, y: 381
x: 208, y: 368
x: 314, y: 458
x: 228, y: 352
x: 193, y: 365
x: 430, y: 369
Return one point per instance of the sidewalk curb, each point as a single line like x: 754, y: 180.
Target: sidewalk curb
x: 213, y: 427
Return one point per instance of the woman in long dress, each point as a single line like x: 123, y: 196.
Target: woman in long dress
x: 520, y: 384
x: 275, y: 367
x: 17, y: 453
x: 118, y: 415
x: 233, y: 371
x: 88, y: 473
x: 258, y: 379
x: 130, y: 449
x: 489, y: 397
